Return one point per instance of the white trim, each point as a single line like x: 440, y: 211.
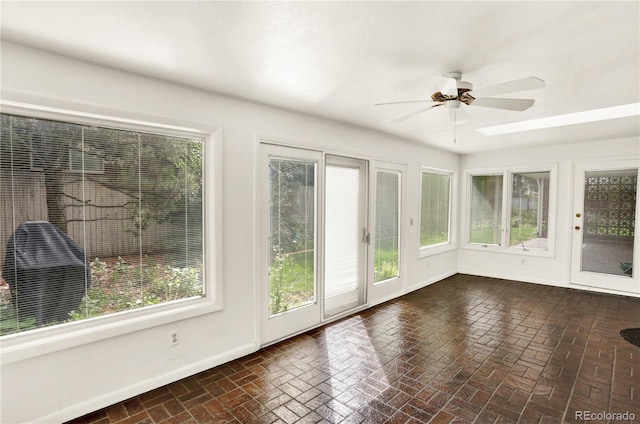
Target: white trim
x: 40, y: 341
x: 106, y: 121
x: 431, y: 280
x: 273, y: 328
x: 608, y: 283
x: 451, y: 244
x: 553, y: 283
x: 80, y: 409
x: 382, y: 290
x: 504, y: 246
x: 518, y: 278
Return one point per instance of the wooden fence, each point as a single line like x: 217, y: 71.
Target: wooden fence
x: 103, y: 227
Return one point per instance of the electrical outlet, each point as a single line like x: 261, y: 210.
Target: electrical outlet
x: 522, y: 261
x: 174, y: 338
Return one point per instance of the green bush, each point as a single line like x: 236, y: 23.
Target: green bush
x: 116, y: 288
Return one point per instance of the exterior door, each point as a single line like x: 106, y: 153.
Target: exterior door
x: 386, y: 254
x: 604, y: 246
x: 346, y: 234
x: 290, y: 183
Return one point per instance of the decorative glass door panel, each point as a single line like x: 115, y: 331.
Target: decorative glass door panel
x: 609, y: 221
x: 605, y: 220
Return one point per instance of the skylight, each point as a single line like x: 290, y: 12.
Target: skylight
x: 614, y: 112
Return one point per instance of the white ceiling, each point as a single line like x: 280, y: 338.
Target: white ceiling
x: 337, y: 59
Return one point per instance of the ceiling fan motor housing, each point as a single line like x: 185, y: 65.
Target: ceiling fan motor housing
x: 465, y: 86
x: 452, y: 101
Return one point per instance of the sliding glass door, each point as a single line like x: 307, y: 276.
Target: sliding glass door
x: 346, y: 234
x: 312, y: 250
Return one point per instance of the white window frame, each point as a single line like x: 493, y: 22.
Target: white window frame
x: 507, y: 175
x: 374, y: 213
x: 44, y: 340
x: 434, y: 249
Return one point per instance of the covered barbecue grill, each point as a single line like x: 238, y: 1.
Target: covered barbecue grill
x: 46, y: 272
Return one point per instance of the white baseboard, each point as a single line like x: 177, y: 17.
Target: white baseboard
x: 554, y: 283
x: 387, y: 298
x: 603, y: 290
x: 431, y: 281
x: 138, y: 388
x: 519, y: 278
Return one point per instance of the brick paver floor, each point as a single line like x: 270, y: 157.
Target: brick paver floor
x: 465, y: 350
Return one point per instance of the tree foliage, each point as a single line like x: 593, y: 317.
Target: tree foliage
x: 161, y: 175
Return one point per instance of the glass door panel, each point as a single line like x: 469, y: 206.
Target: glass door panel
x: 609, y: 221
x: 345, y: 234
x: 604, y: 247
x: 386, y: 256
x: 288, y: 249
x: 292, y: 253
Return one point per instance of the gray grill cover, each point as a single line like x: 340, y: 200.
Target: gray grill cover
x: 46, y: 272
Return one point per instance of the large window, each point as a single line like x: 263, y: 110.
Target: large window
x: 510, y: 209
x: 435, y: 208
x: 95, y: 221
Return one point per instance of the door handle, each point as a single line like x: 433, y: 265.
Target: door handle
x: 577, y: 227
x: 366, y: 237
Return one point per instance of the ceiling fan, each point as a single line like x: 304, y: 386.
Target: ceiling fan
x: 451, y: 92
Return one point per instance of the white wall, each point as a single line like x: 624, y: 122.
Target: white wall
x: 61, y: 385
x: 556, y: 270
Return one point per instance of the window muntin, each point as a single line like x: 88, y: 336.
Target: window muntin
x: 139, y: 222
x: 386, y: 255
x: 486, y: 209
x: 435, y: 208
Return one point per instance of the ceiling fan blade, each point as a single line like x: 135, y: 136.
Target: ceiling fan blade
x: 405, y: 117
x: 445, y: 85
x: 524, y: 84
x: 407, y: 101
x: 458, y: 116
x: 508, y: 104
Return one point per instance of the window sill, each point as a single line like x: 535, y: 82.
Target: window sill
x: 513, y: 250
x: 436, y: 249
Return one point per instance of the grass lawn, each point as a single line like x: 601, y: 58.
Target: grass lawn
x: 385, y: 261
x: 292, y: 277
x: 291, y: 281
x: 432, y: 238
